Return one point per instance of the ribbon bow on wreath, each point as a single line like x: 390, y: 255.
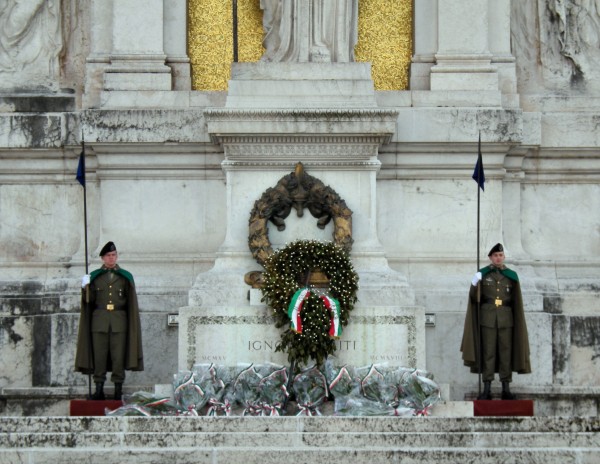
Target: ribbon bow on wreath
x: 331, y: 304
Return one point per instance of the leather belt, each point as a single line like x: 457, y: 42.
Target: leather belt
x: 497, y: 302
x: 110, y: 307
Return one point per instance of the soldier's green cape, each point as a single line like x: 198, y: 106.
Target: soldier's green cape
x: 118, y: 270
x: 520, y: 359
x: 506, y: 272
x: 134, y: 358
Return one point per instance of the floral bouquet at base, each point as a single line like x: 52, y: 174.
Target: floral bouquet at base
x: 361, y: 406
x: 145, y: 404
x: 222, y: 401
x: 273, y: 391
x: 210, y: 381
x: 419, y: 391
x: 341, y: 381
x: 246, y: 391
x: 188, y: 395
x: 310, y: 387
x: 344, y: 385
x: 378, y: 395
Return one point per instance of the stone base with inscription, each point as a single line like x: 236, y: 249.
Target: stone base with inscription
x: 230, y: 336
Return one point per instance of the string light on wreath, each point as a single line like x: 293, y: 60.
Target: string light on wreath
x: 321, y: 316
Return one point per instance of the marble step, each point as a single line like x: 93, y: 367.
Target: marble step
x: 182, y: 455
x: 309, y: 439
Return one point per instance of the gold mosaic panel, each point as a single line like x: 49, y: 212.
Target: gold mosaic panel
x: 384, y: 39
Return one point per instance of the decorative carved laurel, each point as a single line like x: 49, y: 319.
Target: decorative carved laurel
x: 297, y: 190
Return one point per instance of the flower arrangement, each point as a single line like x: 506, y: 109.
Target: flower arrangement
x: 261, y: 390
x: 314, y: 317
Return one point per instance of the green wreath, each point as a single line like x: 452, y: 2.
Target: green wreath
x: 286, y: 276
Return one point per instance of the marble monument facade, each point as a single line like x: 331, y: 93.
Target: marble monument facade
x: 172, y: 175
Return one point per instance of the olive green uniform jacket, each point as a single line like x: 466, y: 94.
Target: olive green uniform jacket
x: 520, y: 340
x: 134, y: 357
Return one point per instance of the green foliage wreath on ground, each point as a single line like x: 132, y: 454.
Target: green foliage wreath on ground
x: 286, y: 272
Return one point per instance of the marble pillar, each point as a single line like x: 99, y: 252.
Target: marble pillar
x: 137, y: 57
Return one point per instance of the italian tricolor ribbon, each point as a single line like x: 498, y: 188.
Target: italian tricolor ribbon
x: 295, y: 308
x: 331, y: 304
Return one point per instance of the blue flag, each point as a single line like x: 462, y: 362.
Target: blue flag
x: 478, y: 174
x: 81, y: 169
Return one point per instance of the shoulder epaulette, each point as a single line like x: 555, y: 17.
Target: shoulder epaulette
x: 506, y: 272
x: 126, y: 274
x: 512, y: 275
x: 96, y: 273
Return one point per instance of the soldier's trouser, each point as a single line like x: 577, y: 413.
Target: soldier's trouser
x: 113, y: 344
x: 496, y: 343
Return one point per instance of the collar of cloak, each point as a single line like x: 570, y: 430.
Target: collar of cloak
x: 506, y: 272
x: 116, y: 269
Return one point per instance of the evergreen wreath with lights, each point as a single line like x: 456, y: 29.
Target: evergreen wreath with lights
x: 316, y: 320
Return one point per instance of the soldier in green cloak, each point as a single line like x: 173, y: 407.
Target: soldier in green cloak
x: 110, y: 337
x: 504, y: 343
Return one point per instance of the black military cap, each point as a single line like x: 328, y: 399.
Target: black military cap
x: 496, y: 248
x: 110, y: 246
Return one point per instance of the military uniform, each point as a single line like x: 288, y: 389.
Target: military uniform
x: 108, y: 300
x: 109, y: 336
x: 504, y: 344
x: 496, y: 323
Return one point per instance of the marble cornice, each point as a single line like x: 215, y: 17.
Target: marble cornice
x: 306, y: 114
x: 314, y: 124
x: 287, y: 139
x: 312, y: 163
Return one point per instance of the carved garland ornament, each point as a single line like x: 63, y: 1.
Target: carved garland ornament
x: 298, y: 190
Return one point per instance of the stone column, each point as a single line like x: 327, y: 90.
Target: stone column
x: 463, y: 59
x: 100, y: 48
x: 425, y: 42
x: 137, y: 59
x: 175, y: 14
x: 502, y: 57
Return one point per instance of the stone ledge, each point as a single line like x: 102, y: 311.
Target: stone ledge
x: 24, y: 103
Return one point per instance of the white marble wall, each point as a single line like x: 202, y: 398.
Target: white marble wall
x: 156, y: 184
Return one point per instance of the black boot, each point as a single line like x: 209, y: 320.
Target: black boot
x: 118, y: 391
x: 487, y: 391
x: 506, y: 394
x: 99, y: 394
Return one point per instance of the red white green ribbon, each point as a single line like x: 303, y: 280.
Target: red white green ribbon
x: 295, y: 308
x: 333, y: 305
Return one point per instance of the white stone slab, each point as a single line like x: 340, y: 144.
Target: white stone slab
x: 137, y: 81
x: 464, y: 81
x: 452, y: 409
x: 230, y: 336
x: 296, y: 85
x: 457, y: 97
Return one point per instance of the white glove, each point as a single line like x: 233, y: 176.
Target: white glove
x: 476, y: 278
x: 85, y: 280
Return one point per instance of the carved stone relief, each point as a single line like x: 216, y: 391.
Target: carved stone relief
x: 561, y: 35
x: 30, y: 42
x: 297, y: 191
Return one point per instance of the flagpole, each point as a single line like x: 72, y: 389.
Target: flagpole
x: 479, y: 185
x: 235, y: 30
x: 82, y: 180
x: 85, y: 228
